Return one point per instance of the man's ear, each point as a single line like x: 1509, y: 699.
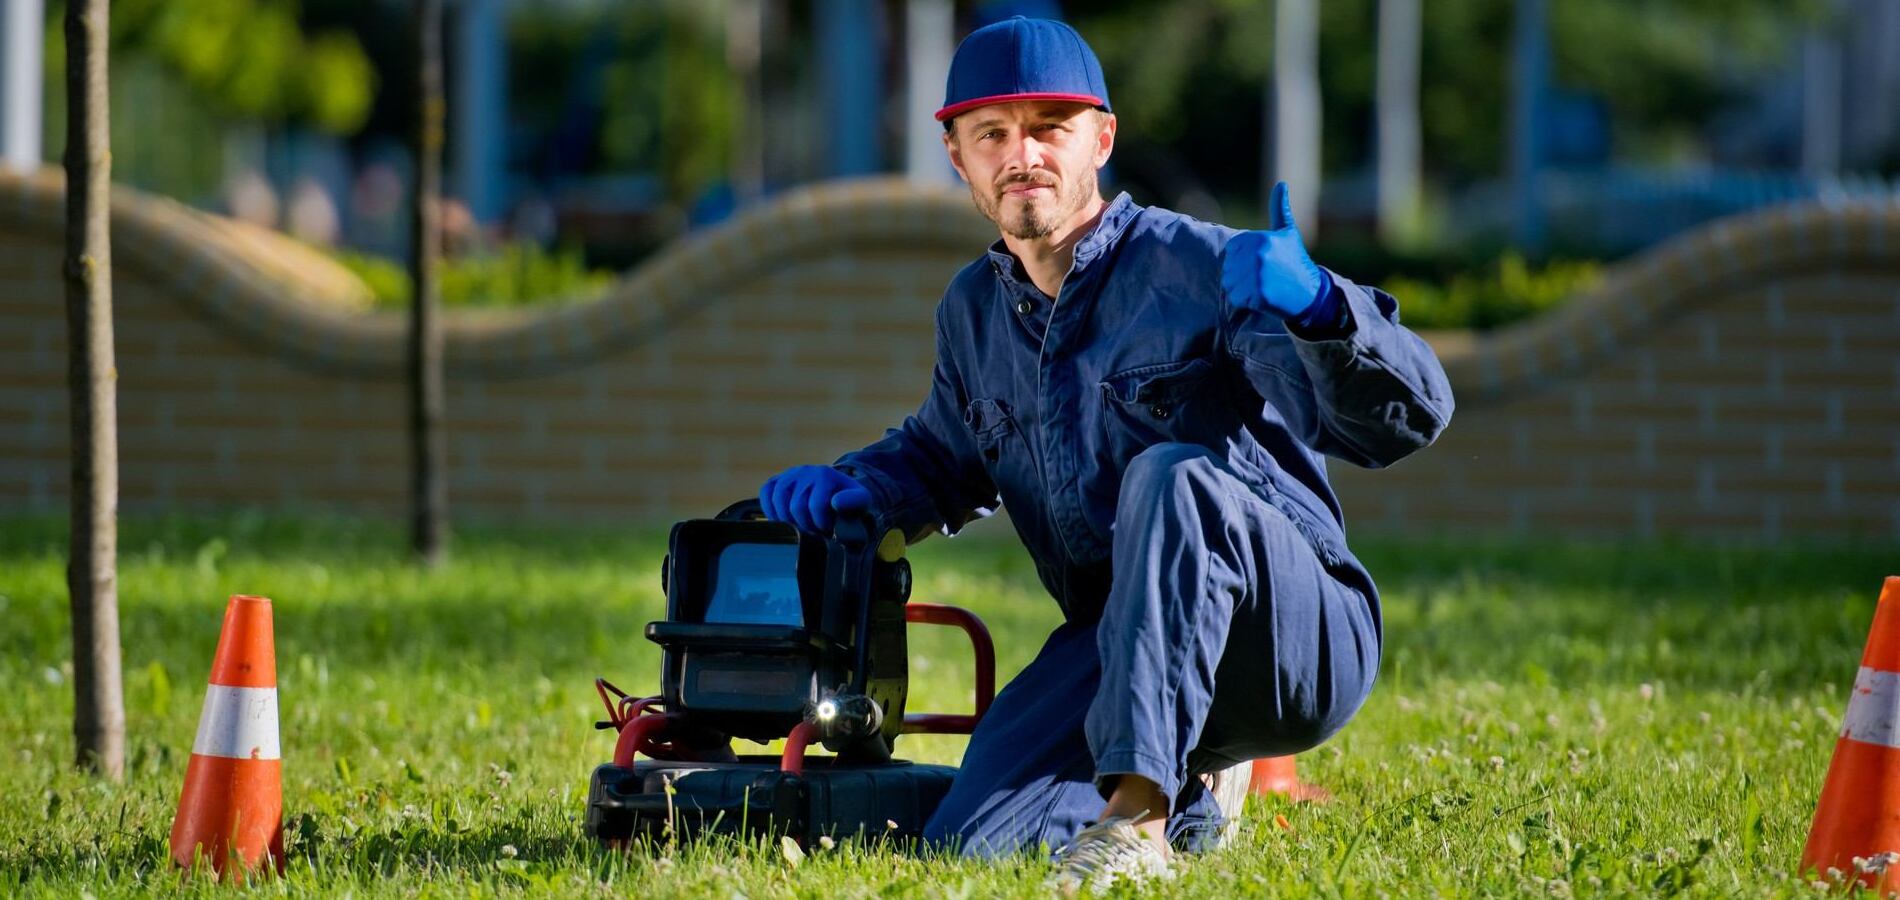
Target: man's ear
x: 1104, y: 138
x: 956, y: 155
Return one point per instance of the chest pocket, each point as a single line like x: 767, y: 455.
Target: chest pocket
x: 1157, y: 393
x: 990, y: 423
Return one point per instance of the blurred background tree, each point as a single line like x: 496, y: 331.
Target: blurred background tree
x: 1637, y: 86
x: 1192, y: 80
x: 184, y: 75
x: 668, y: 97
x: 252, y: 59
x: 605, y: 130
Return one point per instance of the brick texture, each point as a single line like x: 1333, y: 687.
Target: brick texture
x: 1742, y: 381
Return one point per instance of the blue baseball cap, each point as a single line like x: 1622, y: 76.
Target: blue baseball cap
x: 1022, y: 59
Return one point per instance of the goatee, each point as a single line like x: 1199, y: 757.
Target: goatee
x: 1031, y: 221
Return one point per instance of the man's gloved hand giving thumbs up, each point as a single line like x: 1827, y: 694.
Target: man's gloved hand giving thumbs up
x: 1269, y: 271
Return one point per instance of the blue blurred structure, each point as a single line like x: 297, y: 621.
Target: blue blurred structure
x: 1530, y: 82
x: 993, y: 11
x: 20, y: 73
x: 852, y: 86
x: 480, y: 107
x: 1614, y: 211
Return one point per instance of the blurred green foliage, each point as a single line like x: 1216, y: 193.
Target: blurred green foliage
x: 188, y: 76
x: 512, y: 275
x: 1196, y: 78
x: 655, y: 74
x: 671, y: 100
x: 1507, y: 291
x: 164, y: 137
x: 248, y: 59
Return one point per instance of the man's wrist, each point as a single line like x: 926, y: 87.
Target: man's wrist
x: 1326, y: 317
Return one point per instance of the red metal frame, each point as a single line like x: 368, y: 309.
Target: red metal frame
x: 640, y: 736
x: 792, y: 761
x: 641, y: 724
x: 952, y: 723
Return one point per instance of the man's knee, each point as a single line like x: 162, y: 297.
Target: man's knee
x: 1235, y: 735
x: 1300, y: 732
x: 1166, y: 469
x: 1262, y: 710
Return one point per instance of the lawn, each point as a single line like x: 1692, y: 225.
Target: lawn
x: 1552, y: 718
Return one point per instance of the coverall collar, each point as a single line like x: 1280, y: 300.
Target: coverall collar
x: 1108, y: 229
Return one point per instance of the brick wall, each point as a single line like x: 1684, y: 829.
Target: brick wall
x: 1740, y: 382
x: 1744, y: 380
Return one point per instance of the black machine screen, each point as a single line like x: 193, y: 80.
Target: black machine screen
x: 756, y: 584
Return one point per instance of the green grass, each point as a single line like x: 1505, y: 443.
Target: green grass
x: 1552, y: 717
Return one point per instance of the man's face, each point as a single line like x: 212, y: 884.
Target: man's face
x: 1031, y: 164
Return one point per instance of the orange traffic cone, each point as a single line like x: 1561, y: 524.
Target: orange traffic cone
x: 1277, y: 775
x: 1856, y: 834
x: 232, y: 807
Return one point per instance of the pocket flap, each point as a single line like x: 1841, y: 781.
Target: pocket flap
x: 1166, y: 383
x: 986, y: 417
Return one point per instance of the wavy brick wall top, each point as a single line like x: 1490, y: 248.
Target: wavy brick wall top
x: 1740, y: 381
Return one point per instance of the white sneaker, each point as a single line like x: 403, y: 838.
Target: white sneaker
x: 1105, y: 851
x: 1229, y: 787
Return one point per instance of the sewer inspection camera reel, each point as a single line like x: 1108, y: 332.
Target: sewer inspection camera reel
x: 774, y: 633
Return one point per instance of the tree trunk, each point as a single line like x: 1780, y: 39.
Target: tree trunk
x: 92, y: 566
x: 427, y: 445
x: 1296, y: 111
x: 745, y: 54
x: 1398, y: 130
x: 1530, y: 74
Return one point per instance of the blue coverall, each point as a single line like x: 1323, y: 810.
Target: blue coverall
x: 1160, y: 454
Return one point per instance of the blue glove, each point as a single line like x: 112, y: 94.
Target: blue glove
x: 1269, y: 271
x: 806, y: 496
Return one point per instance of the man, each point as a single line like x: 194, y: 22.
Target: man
x: 1150, y: 396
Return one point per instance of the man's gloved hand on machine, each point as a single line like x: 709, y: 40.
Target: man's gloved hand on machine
x: 808, y: 497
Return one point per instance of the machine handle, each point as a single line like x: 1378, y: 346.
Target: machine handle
x: 699, y: 635
x: 749, y: 510
x: 951, y: 723
x: 744, y: 509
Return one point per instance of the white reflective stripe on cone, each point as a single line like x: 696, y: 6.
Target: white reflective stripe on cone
x: 239, y: 723
x: 1873, y: 709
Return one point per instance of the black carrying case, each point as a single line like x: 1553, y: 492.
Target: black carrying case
x: 754, y: 797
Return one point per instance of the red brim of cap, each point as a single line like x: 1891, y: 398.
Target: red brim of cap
x: 956, y: 109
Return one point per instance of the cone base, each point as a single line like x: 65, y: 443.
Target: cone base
x: 1858, y: 815
x: 231, y: 811
x: 1278, y: 776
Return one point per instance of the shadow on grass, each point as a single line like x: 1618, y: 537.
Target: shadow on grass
x: 571, y: 602
x: 1637, y: 572
x: 1710, y: 616
x: 326, y: 843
